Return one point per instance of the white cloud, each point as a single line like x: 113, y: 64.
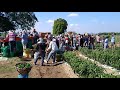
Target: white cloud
x: 50, y: 21
x: 71, y: 25
x: 74, y: 27
x: 73, y: 15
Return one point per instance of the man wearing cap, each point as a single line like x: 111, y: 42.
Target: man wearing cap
x: 40, y: 51
x: 53, y: 47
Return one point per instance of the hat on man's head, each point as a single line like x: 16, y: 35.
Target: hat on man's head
x: 54, y: 40
x: 40, y: 40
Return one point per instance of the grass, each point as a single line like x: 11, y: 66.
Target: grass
x: 85, y: 68
x: 109, y: 57
x: 9, y: 65
x: 117, y: 37
x: 7, y: 68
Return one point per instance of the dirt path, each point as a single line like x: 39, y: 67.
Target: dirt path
x: 58, y: 70
x: 107, y: 69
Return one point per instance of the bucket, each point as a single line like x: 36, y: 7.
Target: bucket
x: 27, y: 53
x: 23, y: 76
x: 59, y: 57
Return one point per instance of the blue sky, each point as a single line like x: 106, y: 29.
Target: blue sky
x: 80, y: 22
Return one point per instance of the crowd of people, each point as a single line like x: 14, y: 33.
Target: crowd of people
x: 67, y: 42
x: 50, y: 45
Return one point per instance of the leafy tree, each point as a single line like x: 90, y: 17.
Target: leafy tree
x: 5, y: 24
x: 17, y: 20
x: 60, y: 26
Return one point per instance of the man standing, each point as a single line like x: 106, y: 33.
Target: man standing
x: 11, y: 36
x: 74, y: 40
x: 91, y: 42
x: 106, y: 43
x: 98, y: 39
x: 35, y: 36
x: 24, y: 39
x: 113, y: 41
x: 53, y: 47
x: 40, y: 51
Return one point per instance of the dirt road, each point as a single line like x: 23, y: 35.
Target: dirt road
x: 58, y: 70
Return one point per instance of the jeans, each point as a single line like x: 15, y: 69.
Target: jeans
x: 37, y: 55
x: 12, y: 45
x: 105, y: 45
x: 91, y: 46
x: 74, y: 43
x: 52, y: 53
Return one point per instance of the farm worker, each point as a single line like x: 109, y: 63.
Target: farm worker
x: 113, y: 41
x: 20, y: 34
x: 31, y: 37
x: 48, y: 39
x: 48, y: 42
x: 91, y: 41
x: 11, y: 38
x: 24, y: 39
x: 57, y: 42
x: 86, y: 41
x: 106, y: 43
x: 103, y: 40
x: 58, y: 38
x: 40, y: 51
x: 35, y: 35
x: 66, y: 40
x: 81, y: 41
x: 98, y: 38
x: 49, y: 36
x: 53, y: 47
x: 61, y: 48
x: 74, y: 40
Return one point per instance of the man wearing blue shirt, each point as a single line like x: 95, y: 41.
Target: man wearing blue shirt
x: 106, y: 43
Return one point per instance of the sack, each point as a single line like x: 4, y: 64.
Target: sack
x: 27, y: 53
x: 5, y: 51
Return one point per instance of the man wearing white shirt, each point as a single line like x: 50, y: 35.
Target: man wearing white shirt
x: 106, y: 43
x: 53, y: 47
x: 113, y: 41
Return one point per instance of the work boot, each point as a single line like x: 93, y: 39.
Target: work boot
x: 35, y: 63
